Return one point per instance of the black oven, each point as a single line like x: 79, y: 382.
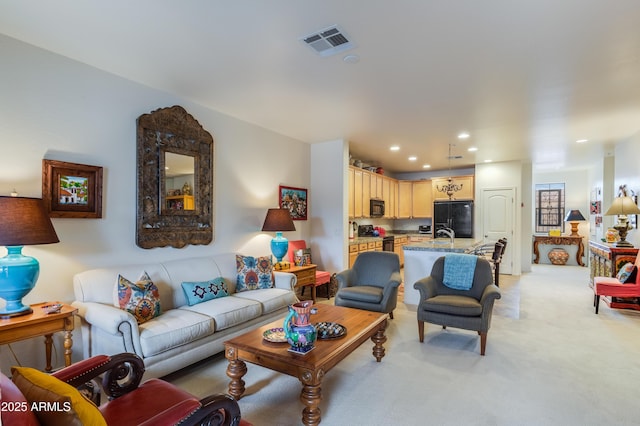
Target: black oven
x: 387, y: 244
x: 376, y: 207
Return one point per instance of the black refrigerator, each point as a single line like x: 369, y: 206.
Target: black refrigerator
x: 457, y: 215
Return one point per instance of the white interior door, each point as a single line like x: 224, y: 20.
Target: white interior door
x: 498, y: 212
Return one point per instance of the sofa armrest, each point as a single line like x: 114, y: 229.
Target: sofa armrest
x: 285, y: 280
x: 345, y: 278
x: 113, y: 321
x: 426, y: 286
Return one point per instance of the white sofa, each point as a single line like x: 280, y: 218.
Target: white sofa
x: 182, y: 334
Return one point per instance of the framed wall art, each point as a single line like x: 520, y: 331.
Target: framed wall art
x: 295, y: 200
x: 72, y: 190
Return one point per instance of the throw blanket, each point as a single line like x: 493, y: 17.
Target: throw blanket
x: 459, y: 270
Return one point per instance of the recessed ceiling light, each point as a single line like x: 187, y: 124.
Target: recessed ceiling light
x: 426, y: 166
x: 394, y: 148
x: 463, y: 135
x: 488, y: 161
x: 413, y: 158
x: 582, y: 140
x: 472, y: 149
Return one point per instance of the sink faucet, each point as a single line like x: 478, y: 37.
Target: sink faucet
x: 448, y: 232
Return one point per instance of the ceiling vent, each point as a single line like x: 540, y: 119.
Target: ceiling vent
x: 328, y: 41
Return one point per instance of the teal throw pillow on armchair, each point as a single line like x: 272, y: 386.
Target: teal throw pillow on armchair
x: 201, y: 291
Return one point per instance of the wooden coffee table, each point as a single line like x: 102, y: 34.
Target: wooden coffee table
x: 311, y: 367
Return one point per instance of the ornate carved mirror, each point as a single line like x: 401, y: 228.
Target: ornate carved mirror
x: 175, y: 180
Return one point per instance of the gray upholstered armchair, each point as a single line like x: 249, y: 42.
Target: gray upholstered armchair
x: 467, y: 309
x: 372, y: 283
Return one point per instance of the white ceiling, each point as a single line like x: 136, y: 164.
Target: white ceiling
x: 525, y: 78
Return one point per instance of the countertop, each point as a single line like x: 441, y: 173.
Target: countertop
x: 358, y: 240
x: 459, y: 245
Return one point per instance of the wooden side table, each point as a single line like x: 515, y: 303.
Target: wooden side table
x: 306, y: 276
x: 40, y: 323
x: 559, y: 241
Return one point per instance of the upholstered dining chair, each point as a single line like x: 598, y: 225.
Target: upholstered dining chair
x: 615, y: 287
x: 154, y: 402
x: 459, y: 293
x: 322, y: 277
x: 371, y: 283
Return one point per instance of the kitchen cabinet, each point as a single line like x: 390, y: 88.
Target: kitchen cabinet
x: 414, y: 199
x: 366, y: 194
x: 421, y: 199
x: 387, y: 196
x: 404, y: 199
x: 355, y: 248
x: 351, y: 194
x: 398, y: 242
x: 357, y: 193
x: 465, y: 193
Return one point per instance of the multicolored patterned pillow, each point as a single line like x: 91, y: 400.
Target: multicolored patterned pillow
x: 254, y: 272
x: 198, y: 292
x: 141, y: 299
x: 627, y: 274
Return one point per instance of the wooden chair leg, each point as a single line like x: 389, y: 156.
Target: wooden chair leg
x: 391, y: 314
x: 597, y: 302
x: 483, y: 342
x: 421, y: 330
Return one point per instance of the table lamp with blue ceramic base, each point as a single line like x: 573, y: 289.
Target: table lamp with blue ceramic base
x: 23, y: 221
x: 278, y: 220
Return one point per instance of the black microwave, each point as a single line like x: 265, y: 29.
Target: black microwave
x: 376, y: 207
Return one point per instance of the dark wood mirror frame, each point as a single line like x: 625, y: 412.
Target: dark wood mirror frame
x: 172, y: 130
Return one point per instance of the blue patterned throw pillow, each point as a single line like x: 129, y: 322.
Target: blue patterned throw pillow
x: 254, y: 273
x: 201, y: 291
x: 627, y: 274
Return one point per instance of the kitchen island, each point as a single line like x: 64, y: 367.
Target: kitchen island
x: 420, y: 257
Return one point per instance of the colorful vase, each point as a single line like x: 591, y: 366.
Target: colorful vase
x: 301, y: 334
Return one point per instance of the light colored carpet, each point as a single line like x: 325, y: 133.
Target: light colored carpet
x: 549, y: 361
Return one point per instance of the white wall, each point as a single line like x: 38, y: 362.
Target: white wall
x: 496, y: 176
x: 55, y: 108
x: 577, y: 196
x: 329, y: 227
x: 627, y: 172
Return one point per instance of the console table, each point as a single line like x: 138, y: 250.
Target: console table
x: 39, y: 323
x: 563, y: 240
x: 605, y: 261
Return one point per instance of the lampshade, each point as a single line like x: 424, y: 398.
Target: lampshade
x: 623, y: 206
x: 278, y: 220
x: 574, y: 216
x: 23, y: 221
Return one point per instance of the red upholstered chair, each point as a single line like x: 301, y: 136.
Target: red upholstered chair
x: 322, y: 277
x: 611, y: 286
x: 154, y: 402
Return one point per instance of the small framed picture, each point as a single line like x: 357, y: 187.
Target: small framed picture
x: 72, y: 190
x: 295, y: 200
